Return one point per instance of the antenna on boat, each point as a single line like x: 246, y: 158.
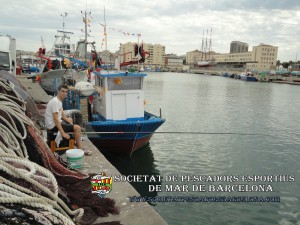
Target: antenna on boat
x: 85, y: 35
x: 105, y: 34
x: 85, y: 20
x: 206, y: 44
x: 138, y: 57
x: 202, y: 46
x: 104, y: 28
x: 209, y: 48
x: 63, y: 16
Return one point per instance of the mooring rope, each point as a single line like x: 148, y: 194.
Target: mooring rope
x: 173, y: 132
x: 19, y: 173
x: 36, y: 203
x: 33, y: 168
x: 12, y: 188
x: 13, y: 151
x: 12, y: 114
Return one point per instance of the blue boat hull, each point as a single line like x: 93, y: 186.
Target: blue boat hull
x: 248, y: 78
x: 122, y: 136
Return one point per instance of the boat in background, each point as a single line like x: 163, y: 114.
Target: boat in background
x: 205, y: 63
x: 56, y: 69
x: 248, y: 76
x: 206, y: 50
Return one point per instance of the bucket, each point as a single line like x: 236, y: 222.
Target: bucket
x: 75, y: 158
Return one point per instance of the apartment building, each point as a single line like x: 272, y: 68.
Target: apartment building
x: 193, y: 57
x: 238, y: 47
x: 156, y: 54
x: 107, y: 57
x: 237, y: 59
x: 173, y: 62
x: 262, y: 57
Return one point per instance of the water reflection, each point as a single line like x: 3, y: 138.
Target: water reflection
x: 141, y: 162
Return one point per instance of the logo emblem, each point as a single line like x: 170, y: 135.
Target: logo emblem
x: 101, y: 184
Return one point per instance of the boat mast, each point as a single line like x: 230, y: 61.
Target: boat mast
x: 63, y: 16
x: 104, y: 29
x: 105, y: 34
x: 138, y: 57
x: 210, y: 48
x: 85, y: 36
x: 206, y: 44
x: 202, y: 47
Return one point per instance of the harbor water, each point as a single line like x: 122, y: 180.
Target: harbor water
x: 236, y: 132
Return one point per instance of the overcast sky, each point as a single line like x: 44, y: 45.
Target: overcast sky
x: 176, y: 24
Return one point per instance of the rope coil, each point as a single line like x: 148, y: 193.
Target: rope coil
x: 13, y: 152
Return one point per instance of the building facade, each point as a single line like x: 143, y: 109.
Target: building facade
x: 154, y: 58
x: 173, y: 62
x: 238, y: 47
x: 262, y: 57
x: 193, y: 57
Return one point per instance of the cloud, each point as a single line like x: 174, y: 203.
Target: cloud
x: 178, y: 25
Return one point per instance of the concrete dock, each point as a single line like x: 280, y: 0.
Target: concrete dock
x: 131, y: 213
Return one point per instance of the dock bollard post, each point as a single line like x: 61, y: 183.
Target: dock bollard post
x: 160, y: 112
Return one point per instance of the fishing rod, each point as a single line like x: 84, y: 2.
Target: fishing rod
x: 167, y: 132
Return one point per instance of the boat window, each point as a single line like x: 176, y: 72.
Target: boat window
x: 55, y: 64
x: 124, y: 83
x: 101, y: 82
x: 4, y: 61
x: 62, y: 49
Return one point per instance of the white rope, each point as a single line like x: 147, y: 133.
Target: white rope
x: 6, y: 85
x: 33, y: 168
x: 11, y: 170
x: 37, y: 203
x: 13, y: 100
x: 9, y: 131
x: 10, y: 192
x: 12, y: 148
x: 13, y: 114
x: 20, y: 174
x: 12, y: 187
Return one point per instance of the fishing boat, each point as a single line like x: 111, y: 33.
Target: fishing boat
x: 55, y: 68
x: 248, y: 76
x: 118, y: 122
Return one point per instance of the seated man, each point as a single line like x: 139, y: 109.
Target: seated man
x: 56, y: 120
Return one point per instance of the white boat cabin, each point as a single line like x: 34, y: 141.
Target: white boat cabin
x: 120, y: 95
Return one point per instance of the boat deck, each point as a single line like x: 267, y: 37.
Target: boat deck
x: 34, y: 89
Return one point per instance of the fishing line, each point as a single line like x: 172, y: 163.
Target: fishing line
x: 136, y: 133
x: 172, y: 132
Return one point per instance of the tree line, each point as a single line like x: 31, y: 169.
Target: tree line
x: 286, y: 65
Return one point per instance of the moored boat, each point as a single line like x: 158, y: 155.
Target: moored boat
x: 248, y: 77
x: 55, y: 69
x: 205, y: 63
x: 206, y: 49
x: 117, y: 121
x: 118, y: 113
